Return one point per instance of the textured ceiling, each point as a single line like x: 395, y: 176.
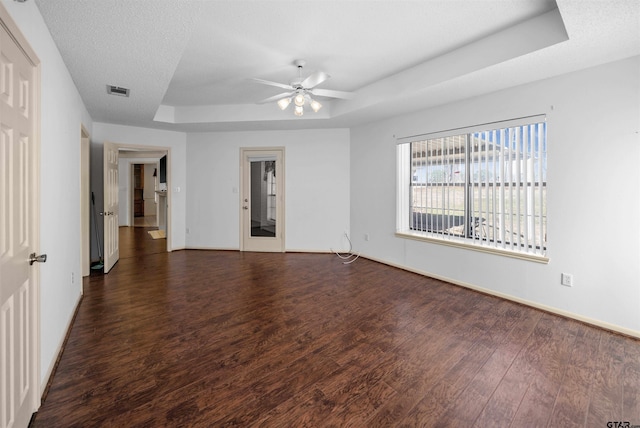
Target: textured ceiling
x: 189, y: 63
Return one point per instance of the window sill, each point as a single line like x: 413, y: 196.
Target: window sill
x: 460, y: 243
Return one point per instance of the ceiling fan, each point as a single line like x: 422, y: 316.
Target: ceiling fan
x: 301, y: 90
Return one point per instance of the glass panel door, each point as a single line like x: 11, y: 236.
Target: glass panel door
x: 263, y: 198
x: 262, y: 202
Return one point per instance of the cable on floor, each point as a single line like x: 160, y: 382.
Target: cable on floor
x: 348, y: 257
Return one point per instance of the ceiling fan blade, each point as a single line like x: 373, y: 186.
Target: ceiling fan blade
x: 315, y: 79
x: 276, y: 97
x: 270, y: 83
x: 333, y: 94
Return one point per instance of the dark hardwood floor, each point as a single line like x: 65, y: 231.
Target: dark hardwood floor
x: 223, y: 338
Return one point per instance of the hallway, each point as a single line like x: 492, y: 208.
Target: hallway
x: 136, y: 242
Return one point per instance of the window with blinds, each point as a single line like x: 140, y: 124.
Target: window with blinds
x: 480, y: 186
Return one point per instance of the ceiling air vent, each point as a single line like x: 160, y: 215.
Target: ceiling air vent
x: 117, y: 90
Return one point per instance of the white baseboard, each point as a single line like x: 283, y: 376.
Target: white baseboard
x: 59, y: 348
x: 595, y: 322
x: 210, y: 248
x: 305, y: 250
x: 287, y: 250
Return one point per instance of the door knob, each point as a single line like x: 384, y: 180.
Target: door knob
x: 40, y: 259
x: 245, y: 207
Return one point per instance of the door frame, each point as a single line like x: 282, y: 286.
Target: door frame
x: 245, y: 171
x: 131, y: 193
x: 144, y: 153
x: 85, y: 203
x: 139, y: 156
x: 7, y: 22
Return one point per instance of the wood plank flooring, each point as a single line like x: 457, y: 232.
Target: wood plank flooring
x: 222, y: 338
x: 146, y: 221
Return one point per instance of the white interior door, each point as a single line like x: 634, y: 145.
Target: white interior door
x: 262, y: 200
x: 110, y: 210
x: 19, y: 230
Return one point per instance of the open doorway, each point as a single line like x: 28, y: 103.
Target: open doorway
x: 112, y: 177
x: 118, y: 185
x: 144, y: 194
x: 143, y: 191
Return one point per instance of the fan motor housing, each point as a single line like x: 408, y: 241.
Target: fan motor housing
x: 296, y: 83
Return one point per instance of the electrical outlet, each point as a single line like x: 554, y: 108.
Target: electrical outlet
x: 566, y: 279
x: 73, y: 278
x: 366, y: 236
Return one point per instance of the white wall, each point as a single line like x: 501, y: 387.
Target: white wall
x: 316, y: 188
x: 593, y: 205
x: 62, y: 114
x: 175, y: 142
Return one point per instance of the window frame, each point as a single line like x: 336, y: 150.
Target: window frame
x: 406, y: 215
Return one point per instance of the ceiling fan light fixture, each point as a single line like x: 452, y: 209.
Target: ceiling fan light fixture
x: 300, y: 90
x: 284, y: 103
x: 299, y: 99
x: 315, y: 105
